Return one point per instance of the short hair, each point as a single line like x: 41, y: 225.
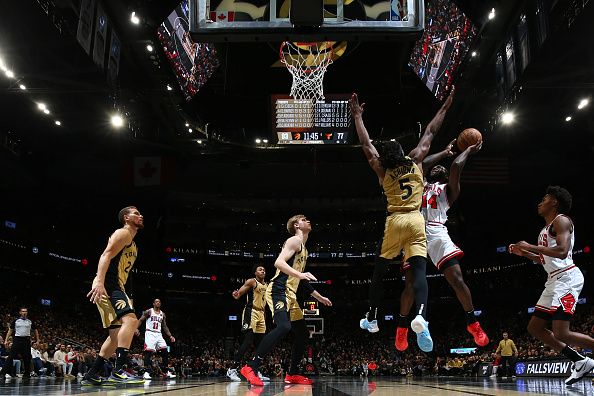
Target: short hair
x: 125, y: 212
x: 291, y: 223
x: 562, y: 196
x: 255, y: 267
x: 21, y: 308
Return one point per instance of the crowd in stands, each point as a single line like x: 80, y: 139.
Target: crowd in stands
x: 69, y: 344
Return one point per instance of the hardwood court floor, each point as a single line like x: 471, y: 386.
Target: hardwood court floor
x: 324, y: 386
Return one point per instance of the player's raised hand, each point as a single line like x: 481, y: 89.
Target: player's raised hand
x: 97, y: 292
x: 449, y: 150
x: 356, y: 108
x: 307, y: 276
x: 475, y: 148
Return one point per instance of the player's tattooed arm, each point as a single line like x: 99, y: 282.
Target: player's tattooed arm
x: 145, y: 316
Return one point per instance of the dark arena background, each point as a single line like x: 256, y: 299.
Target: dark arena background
x: 184, y: 110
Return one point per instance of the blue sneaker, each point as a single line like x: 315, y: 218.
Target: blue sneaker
x: 369, y: 326
x: 421, y: 327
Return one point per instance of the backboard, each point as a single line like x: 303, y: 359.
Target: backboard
x: 268, y: 20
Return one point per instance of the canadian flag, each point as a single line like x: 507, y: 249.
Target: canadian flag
x: 222, y: 16
x: 147, y: 171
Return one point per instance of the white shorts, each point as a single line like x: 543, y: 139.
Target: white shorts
x: 561, y: 290
x: 154, y: 341
x: 440, y: 247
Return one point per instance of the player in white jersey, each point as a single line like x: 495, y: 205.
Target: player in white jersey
x: 564, y: 284
x: 153, y: 337
x: 441, y: 190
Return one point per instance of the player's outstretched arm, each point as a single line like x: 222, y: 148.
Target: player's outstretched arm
x: 248, y: 285
x: 368, y: 148
x: 456, y: 171
x: 291, y: 246
x: 433, y: 159
x: 118, y: 240
x: 419, y: 153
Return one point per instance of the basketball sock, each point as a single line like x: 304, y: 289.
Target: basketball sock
x: 470, y: 317
x: 97, y: 367
x: 402, y: 321
x: 121, y: 358
x: 571, y: 354
x: 300, y: 331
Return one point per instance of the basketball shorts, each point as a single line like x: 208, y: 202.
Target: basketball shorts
x: 404, y: 231
x: 154, y: 341
x: 113, y: 308
x: 253, y: 319
x: 561, y: 290
x: 440, y: 246
x: 279, y: 298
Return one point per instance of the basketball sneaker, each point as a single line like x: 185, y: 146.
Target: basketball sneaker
x: 122, y: 377
x: 250, y: 376
x: 94, y: 380
x: 263, y: 378
x: 371, y: 327
x: 579, y: 369
x: 146, y: 375
x: 170, y: 375
x: 480, y: 337
x: 401, y: 338
x: 232, y: 375
x: 297, y: 379
x: 421, y: 327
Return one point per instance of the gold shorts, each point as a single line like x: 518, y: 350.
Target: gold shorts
x: 279, y: 299
x: 404, y: 231
x: 253, y: 319
x: 113, y: 308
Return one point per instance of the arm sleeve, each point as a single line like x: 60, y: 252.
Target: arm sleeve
x: 307, y: 287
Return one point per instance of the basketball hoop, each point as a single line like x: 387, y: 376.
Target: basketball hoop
x: 307, y: 63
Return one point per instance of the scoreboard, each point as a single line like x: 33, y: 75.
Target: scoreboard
x: 297, y: 121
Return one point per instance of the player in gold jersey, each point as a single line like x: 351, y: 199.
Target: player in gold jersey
x: 253, y: 321
x: 401, y: 178
x: 109, y: 294
x: 282, y: 301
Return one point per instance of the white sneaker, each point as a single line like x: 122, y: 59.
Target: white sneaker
x: 20, y: 375
x: 263, y: 378
x: 170, y: 375
x: 421, y: 327
x: 579, y: 370
x: 371, y: 327
x: 79, y: 375
x: 232, y: 375
x: 7, y: 376
x: 146, y: 375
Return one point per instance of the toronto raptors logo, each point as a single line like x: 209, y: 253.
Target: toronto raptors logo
x: 279, y: 305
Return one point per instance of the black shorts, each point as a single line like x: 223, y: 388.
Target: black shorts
x: 112, y: 309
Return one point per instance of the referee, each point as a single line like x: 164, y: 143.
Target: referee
x: 21, y: 328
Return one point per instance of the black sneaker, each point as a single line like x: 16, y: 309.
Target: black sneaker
x: 122, y: 377
x: 92, y: 381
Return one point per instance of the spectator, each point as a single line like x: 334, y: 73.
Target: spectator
x: 60, y: 359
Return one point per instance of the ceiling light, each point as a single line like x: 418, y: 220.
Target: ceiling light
x: 507, y: 117
x: 46, y: 111
x: 265, y: 141
x: 2, y: 66
x: 473, y: 54
x: 9, y: 74
x: 41, y: 106
x: 199, y: 141
x: 117, y: 120
x: 187, y: 124
x: 58, y: 123
x: 149, y: 48
x: 169, y: 87
x: 492, y: 13
x: 568, y: 118
x: 583, y: 103
x: 22, y: 86
x: 258, y: 141
x: 190, y: 130
x: 134, y: 19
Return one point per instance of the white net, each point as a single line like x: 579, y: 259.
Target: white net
x: 307, y: 63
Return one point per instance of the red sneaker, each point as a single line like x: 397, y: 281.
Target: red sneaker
x: 250, y: 376
x: 297, y: 379
x: 480, y: 337
x: 401, y: 338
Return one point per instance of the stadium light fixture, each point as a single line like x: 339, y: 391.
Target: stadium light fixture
x: 22, y: 86
x: 568, y: 118
x: 58, y: 123
x: 258, y: 141
x: 134, y: 18
x: 492, y: 14
x: 117, y: 121
x: 507, y: 117
x: 583, y: 103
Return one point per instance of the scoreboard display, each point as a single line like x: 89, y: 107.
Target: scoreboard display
x: 297, y: 121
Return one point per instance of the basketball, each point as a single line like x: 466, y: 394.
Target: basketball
x: 468, y: 137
